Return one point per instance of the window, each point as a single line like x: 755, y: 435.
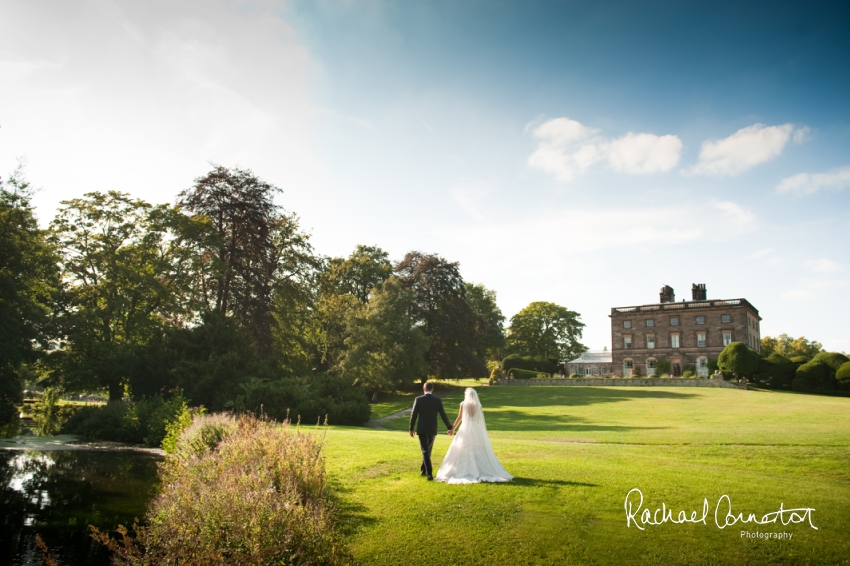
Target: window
x: 627, y: 342
x: 700, y: 339
x: 628, y: 366
x: 727, y: 338
x: 627, y: 324
x: 700, y: 320
x: 650, y: 341
x: 588, y: 370
x: 650, y: 322
x: 650, y: 366
x: 674, y: 340
x: 674, y: 321
x: 603, y: 370
x: 595, y: 370
x: 702, y: 367
x: 725, y: 318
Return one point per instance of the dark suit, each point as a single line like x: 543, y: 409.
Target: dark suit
x: 426, y: 408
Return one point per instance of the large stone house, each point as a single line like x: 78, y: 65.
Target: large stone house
x: 590, y: 363
x: 685, y: 333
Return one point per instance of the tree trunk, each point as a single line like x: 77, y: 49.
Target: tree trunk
x: 116, y: 390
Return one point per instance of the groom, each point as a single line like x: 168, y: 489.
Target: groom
x: 426, y: 407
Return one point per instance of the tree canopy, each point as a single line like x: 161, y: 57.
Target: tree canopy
x: 789, y: 347
x: 548, y: 330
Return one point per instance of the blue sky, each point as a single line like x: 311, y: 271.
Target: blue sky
x: 580, y: 153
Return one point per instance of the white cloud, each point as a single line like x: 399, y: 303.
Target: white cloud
x: 745, y: 149
x: 735, y: 213
x: 809, y: 183
x: 760, y: 253
x: 824, y: 265
x: 567, y: 148
x: 644, y: 153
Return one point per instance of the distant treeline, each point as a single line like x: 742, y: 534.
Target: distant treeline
x: 222, y: 299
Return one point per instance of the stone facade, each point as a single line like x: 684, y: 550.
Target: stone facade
x: 685, y: 333
x: 591, y: 363
x: 621, y: 382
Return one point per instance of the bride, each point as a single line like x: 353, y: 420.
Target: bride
x: 470, y: 458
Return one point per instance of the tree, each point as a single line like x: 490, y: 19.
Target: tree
x: 29, y: 279
x: 241, y: 249
x: 385, y: 349
x: 548, y: 330
x: 366, y: 268
x: 438, y: 304
x: 789, y: 347
x: 491, y: 336
x: 738, y: 360
x: 125, y: 276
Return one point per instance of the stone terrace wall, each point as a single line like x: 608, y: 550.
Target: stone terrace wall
x: 639, y: 382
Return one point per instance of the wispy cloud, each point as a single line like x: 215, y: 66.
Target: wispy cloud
x: 809, y: 183
x: 746, y: 148
x: 469, y: 196
x: 567, y: 148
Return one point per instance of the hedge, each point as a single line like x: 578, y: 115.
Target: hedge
x: 523, y: 373
x: 843, y: 373
x: 832, y: 359
x: 817, y: 375
x: 536, y: 364
x: 737, y: 359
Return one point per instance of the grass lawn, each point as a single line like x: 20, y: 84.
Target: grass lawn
x: 577, y: 451
x: 401, y: 400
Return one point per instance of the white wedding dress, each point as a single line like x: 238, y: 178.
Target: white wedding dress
x: 470, y: 458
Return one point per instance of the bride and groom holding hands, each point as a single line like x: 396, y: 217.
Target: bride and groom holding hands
x: 470, y: 458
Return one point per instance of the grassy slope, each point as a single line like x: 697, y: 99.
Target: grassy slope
x: 577, y: 451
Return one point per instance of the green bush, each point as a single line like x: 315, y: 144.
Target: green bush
x: 496, y: 374
x: 662, y: 366
x: 800, y: 384
x: 530, y: 363
x: 45, y: 413
x: 309, y: 400
x: 817, y: 375
x: 203, y: 434
x: 775, y: 371
x: 141, y: 422
x: 259, y: 498
x: 843, y: 373
x: 738, y: 360
x: 523, y: 374
x: 687, y: 374
x: 800, y: 360
x: 832, y: 359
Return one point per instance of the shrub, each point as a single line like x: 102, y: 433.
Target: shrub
x: 738, y: 360
x: 832, y: 359
x: 45, y: 413
x: 687, y: 374
x: 573, y: 375
x: 800, y: 360
x: 524, y: 374
x: 259, y: 498
x: 496, y: 374
x: 817, y: 375
x: 530, y: 363
x: 203, y: 434
x: 662, y: 367
x: 843, y: 373
x: 800, y: 384
x: 141, y: 422
x: 775, y: 371
x: 309, y: 400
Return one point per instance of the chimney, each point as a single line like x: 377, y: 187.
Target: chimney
x: 698, y: 292
x: 667, y: 295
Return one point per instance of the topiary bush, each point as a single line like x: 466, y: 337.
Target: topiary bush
x: 530, y: 363
x: 843, y: 376
x: 800, y: 360
x: 775, y: 371
x: 688, y: 374
x: 524, y: 374
x: 833, y: 359
x: 817, y: 375
x: 738, y: 360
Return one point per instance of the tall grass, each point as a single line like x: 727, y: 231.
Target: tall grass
x: 259, y: 497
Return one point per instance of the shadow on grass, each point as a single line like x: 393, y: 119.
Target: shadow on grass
x: 534, y: 482
x: 351, y: 516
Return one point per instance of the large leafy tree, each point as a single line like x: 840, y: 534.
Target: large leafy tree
x: 366, y: 268
x: 546, y: 329
x: 29, y: 278
x: 491, y: 335
x: 241, y: 252
x: 790, y: 347
x: 384, y: 347
x: 124, y: 273
x: 438, y: 304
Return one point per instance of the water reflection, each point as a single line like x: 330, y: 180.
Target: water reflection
x: 57, y: 494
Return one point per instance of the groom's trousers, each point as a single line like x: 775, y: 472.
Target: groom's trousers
x: 426, y: 442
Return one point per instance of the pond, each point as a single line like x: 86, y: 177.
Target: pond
x: 59, y: 493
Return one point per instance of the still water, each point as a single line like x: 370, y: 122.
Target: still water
x: 59, y: 493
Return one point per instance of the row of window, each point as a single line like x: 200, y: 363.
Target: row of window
x: 590, y: 370
x: 675, y: 369
x: 675, y: 342
x: 650, y: 322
